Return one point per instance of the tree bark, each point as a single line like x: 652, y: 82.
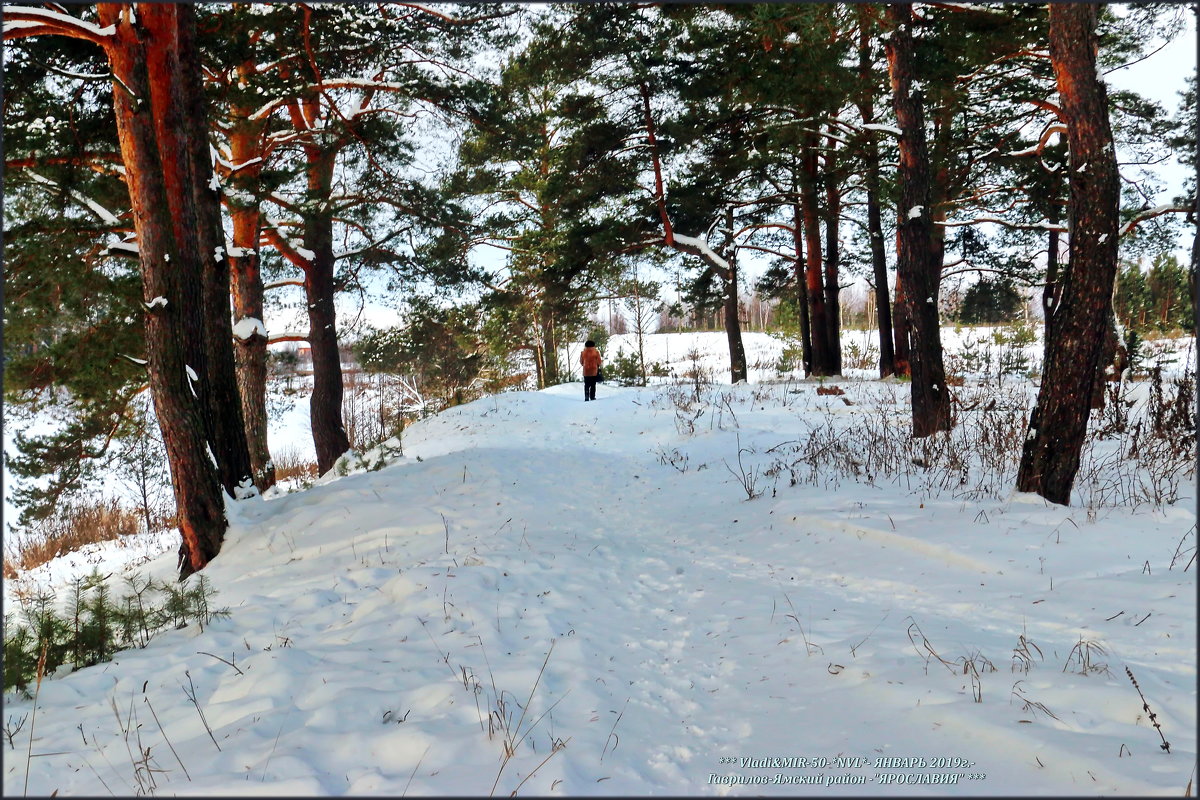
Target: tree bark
x: 1058, y: 422
x: 250, y: 354
x: 227, y: 430
x: 738, y: 371
x: 325, y: 405
x: 833, y: 306
x: 810, y: 208
x: 901, y: 327
x: 918, y: 258
x: 140, y: 63
x: 866, y: 108
x: 802, y: 290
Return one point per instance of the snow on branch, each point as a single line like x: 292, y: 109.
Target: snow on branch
x: 126, y: 248
x: 1035, y: 226
x: 885, y: 128
x: 105, y: 216
x: 1041, y: 145
x: 288, y: 248
x: 288, y: 337
x: 698, y: 247
x: 1046, y: 105
x: 21, y: 21
x: 452, y: 20
x: 1150, y: 213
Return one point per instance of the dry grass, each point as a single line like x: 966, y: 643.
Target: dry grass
x: 81, y: 523
x: 290, y: 465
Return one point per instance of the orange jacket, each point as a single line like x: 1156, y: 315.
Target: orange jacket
x: 590, y: 359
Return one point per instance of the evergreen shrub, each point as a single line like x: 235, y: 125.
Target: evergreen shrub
x: 96, y: 626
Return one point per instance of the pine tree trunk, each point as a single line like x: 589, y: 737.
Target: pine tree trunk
x: 802, y: 290
x: 733, y: 325
x: 883, y: 306
x: 866, y: 108
x: 1058, y: 422
x: 549, y: 348
x: 325, y: 405
x: 901, y: 328
x: 918, y: 258
x: 246, y: 283
x: 250, y: 355
x: 199, y: 505
x: 1049, y: 293
x: 227, y: 429
x: 810, y: 208
x: 1107, y: 369
x: 833, y: 306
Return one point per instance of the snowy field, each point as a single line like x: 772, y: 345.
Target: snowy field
x: 548, y: 597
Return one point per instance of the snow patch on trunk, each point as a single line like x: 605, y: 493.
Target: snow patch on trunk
x: 248, y: 327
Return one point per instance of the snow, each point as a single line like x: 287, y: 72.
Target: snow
x: 885, y: 128
x: 44, y: 16
x: 915, y: 212
x: 105, y: 216
x: 248, y: 327
x: 1153, y: 212
x: 689, y: 636
x: 703, y: 247
x: 127, y: 247
x: 305, y: 253
x: 157, y: 302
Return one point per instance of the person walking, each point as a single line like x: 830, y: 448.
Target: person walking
x: 590, y: 358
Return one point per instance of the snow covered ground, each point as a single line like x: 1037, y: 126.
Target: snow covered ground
x: 589, y: 588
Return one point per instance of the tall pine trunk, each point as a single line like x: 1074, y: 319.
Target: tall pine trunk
x: 738, y: 371
x: 833, y: 305
x: 227, y: 430
x: 810, y: 208
x: 802, y: 289
x: 143, y: 68
x: 246, y: 283
x: 883, y: 305
x: 919, y: 252
x: 325, y: 405
x: 866, y: 108
x: 1075, y: 331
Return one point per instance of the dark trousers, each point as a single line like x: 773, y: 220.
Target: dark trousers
x: 589, y: 387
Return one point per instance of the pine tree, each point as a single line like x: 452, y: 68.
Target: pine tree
x: 73, y: 339
x: 342, y: 84
x: 919, y: 254
x: 543, y: 159
x: 1058, y: 421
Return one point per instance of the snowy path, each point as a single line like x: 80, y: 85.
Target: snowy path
x: 388, y: 627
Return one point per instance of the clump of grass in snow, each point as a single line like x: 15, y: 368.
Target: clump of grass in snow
x: 1022, y: 658
x: 1081, y: 659
x: 969, y: 665
x: 1029, y: 706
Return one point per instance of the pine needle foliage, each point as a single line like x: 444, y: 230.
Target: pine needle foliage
x: 96, y: 625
